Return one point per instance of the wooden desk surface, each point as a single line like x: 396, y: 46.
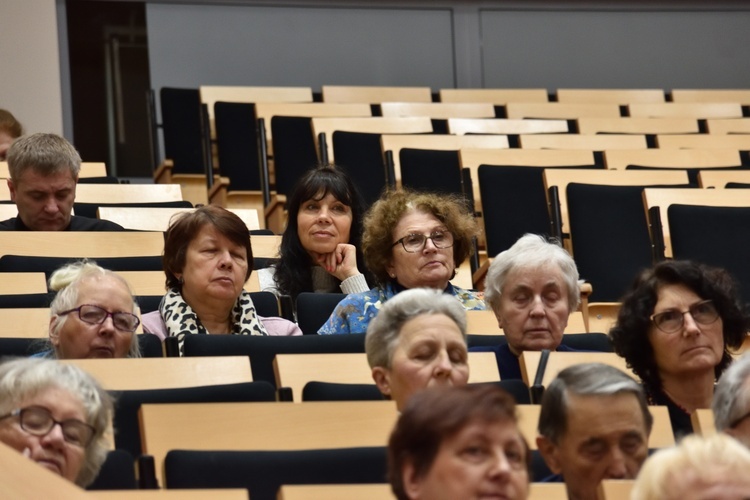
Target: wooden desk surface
x: 166, y: 373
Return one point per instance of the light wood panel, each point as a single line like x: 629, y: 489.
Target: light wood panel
x: 438, y: 110
x: 638, y: 126
x: 494, y: 96
x: 558, y: 110
x: 83, y: 244
x: 504, y: 126
x: 154, y: 282
x: 335, y: 492
x: 182, y: 494
x: 118, y: 193
x: 703, y: 422
x: 703, y: 141
x: 686, y: 110
x: 728, y: 126
x: 23, y: 479
x: 125, y: 374
x: 615, y: 489
x: 675, y: 158
x: 741, y: 96
x: 296, y: 370
x: 18, y: 283
x: 562, y: 177
x: 589, y: 142
x: 158, y: 218
x: 610, y: 96
x: 264, y: 426
x: 375, y: 94
x: 88, y: 169
x: 210, y: 94
x: 26, y: 323
x: 720, y: 178
x: 662, y: 198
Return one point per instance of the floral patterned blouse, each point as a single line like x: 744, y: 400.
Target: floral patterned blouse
x: 355, y: 311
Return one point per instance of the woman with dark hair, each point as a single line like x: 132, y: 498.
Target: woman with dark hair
x: 207, y: 260
x: 459, y: 442
x: 10, y: 130
x: 320, y: 246
x: 674, y: 329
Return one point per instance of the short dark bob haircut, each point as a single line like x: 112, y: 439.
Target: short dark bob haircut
x: 185, y: 227
x: 434, y: 415
x: 292, y: 274
x: 630, y: 335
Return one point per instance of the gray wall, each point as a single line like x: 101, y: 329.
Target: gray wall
x: 450, y: 44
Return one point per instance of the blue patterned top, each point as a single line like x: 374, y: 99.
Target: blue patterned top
x: 356, y: 310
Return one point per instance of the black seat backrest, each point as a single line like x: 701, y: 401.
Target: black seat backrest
x: 331, y: 391
x: 314, y: 309
x: 294, y: 150
x: 117, y: 472
x: 181, y: 125
x: 609, y: 237
x: 361, y: 154
x: 717, y: 236
x: 237, y: 145
x: 431, y: 170
x: 263, y: 472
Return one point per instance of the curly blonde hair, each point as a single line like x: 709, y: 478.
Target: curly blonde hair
x: 382, y: 218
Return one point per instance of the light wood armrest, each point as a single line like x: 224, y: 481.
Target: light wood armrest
x: 479, y: 275
x: 163, y: 173
x: 217, y: 195
x: 276, y: 214
x: 586, y: 290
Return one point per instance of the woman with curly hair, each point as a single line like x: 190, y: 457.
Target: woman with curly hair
x: 319, y: 248
x: 674, y: 329
x: 411, y: 239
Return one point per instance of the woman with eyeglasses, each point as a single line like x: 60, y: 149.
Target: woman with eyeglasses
x: 93, y: 314
x: 411, y: 239
x: 675, y: 329
x: 56, y: 415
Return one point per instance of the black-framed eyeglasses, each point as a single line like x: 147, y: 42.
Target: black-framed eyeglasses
x: 38, y: 421
x: 703, y: 312
x: 415, y: 242
x: 95, y: 315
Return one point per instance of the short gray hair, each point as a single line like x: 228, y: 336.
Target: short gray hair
x: 732, y: 394
x: 384, y: 330
x: 585, y: 379
x: 44, y: 153
x: 21, y: 379
x: 529, y: 252
x: 66, y: 280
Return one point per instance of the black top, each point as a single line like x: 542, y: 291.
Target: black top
x: 680, y: 419
x: 77, y: 223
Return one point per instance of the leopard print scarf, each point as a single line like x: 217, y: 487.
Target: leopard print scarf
x: 181, y: 320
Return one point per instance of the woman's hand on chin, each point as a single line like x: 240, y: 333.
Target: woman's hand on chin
x: 341, y: 263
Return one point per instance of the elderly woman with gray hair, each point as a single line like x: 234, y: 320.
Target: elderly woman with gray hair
x: 418, y: 340
x: 93, y: 315
x: 56, y: 415
x: 532, y: 288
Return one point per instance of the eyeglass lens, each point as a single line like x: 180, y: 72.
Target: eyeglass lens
x: 39, y: 422
x: 703, y: 312
x: 95, y: 315
x: 415, y: 242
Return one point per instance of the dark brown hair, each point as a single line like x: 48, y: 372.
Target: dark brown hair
x: 185, y: 227
x: 630, y: 335
x: 433, y: 415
